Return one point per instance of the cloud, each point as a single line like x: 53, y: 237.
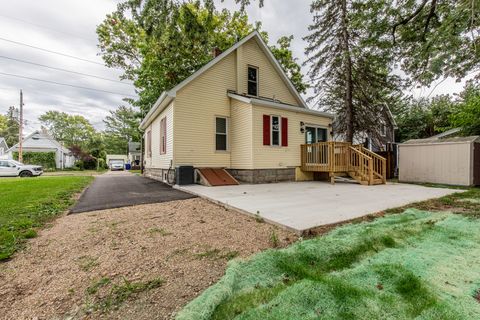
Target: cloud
x: 63, y: 26
x: 69, y: 27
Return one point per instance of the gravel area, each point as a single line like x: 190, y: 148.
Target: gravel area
x: 72, y: 268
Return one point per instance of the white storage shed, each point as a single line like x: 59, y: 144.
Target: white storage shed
x: 453, y: 161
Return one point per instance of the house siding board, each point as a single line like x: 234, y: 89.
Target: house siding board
x: 201, y: 100
x: 265, y: 157
x: 270, y: 84
x: 158, y: 160
x: 197, y: 105
x: 241, y: 135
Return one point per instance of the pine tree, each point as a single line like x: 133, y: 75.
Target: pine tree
x: 350, y: 64
x: 10, y: 133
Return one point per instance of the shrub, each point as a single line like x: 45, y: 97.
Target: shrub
x: 45, y: 159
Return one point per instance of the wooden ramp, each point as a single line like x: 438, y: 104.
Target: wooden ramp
x: 216, y: 177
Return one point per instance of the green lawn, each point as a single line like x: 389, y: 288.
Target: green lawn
x: 74, y: 173
x: 26, y: 204
x: 422, y: 263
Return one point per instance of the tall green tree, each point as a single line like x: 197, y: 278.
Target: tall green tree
x: 121, y: 126
x: 9, y: 125
x: 435, y: 38
x: 3, y: 124
x: 350, y: 66
x: 159, y: 43
x: 467, y: 116
x: 69, y: 129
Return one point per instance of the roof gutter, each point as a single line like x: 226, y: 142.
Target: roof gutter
x: 162, y: 102
x: 278, y: 105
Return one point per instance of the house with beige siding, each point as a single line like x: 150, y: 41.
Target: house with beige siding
x: 240, y: 112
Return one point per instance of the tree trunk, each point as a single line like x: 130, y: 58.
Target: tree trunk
x: 348, y: 75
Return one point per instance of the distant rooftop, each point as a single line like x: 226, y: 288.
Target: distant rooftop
x: 134, y: 147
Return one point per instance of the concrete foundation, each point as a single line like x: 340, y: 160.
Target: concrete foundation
x: 256, y: 176
x: 163, y: 175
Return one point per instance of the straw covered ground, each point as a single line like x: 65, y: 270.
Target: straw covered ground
x: 417, y: 264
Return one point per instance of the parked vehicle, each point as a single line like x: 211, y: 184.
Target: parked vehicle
x: 117, y: 165
x: 12, y: 168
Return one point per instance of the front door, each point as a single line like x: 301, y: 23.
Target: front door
x: 315, y: 134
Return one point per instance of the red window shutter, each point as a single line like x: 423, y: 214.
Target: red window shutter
x: 284, y: 132
x: 266, y: 130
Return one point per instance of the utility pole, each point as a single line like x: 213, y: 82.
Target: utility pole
x: 20, y: 130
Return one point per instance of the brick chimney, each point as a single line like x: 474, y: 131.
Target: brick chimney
x: 216, y: 52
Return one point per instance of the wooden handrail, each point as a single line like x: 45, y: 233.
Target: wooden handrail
x: 379, y: 164
x: 337, y: 157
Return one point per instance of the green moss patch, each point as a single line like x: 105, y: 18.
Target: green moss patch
x: 417, y: 264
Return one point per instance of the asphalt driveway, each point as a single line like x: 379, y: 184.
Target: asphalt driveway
x: 122, y: 189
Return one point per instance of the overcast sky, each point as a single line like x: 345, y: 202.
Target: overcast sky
x: 69, y: 27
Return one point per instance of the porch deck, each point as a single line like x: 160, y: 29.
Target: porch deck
x: 343, y: 158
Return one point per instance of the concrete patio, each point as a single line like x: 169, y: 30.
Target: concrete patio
x: 304, y: 205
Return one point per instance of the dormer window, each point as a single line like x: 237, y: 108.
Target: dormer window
x: 252, y: 81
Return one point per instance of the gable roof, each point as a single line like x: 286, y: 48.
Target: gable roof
x: 390, y: 117
x: 447, y: 133
x: 4, y: 142
x: 51, y: 142
x: 278, y: 105
x: 167, y: 96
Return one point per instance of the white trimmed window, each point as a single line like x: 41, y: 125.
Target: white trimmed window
x: 163, y: 136
x: 149, y: 144
x: 275, y: 135
x: 221, y: 134
x: 252, y: 78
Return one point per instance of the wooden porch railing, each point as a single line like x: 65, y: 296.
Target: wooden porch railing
x: 341, y: 157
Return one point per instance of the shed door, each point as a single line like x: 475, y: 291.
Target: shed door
x: 476, y: 164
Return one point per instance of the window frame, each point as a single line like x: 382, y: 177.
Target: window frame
x: 257, y: 82
x: 279, y: 130
x: 149, y: 143
x: 383, y: 130
x: 163, y: 135
x: 316, y: 127
x: 227, y: 126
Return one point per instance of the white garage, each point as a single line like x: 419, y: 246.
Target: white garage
x: 453, y: 161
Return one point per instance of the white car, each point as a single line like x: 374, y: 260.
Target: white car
x: 117, y: 165
x: 12, y: 168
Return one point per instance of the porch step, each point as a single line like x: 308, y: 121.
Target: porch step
x: 213, y: 177
x: 364, y: 182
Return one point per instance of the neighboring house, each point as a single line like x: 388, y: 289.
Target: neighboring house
x: 116, y: 157
x: 447, y: 134
x: 3, y: 147
x: 134, y: 153
x: 239, y: 112
x: 381, y: 139
x: 42, y: 141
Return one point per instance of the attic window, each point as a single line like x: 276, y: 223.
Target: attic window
x: 252, y: 81
x: 36, y: 138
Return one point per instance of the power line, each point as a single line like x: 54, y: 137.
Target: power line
x: 51, y: 51
x: 65, y: 84
x: 64, y: 70
x: 44, y: 27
